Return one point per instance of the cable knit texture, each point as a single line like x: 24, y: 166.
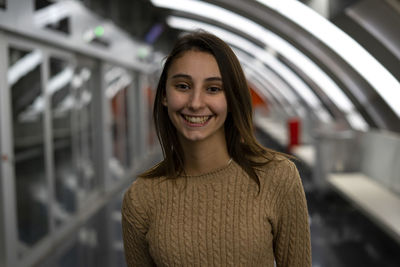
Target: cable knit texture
x: 218, y: 219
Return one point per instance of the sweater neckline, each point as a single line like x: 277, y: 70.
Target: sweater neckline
x: 226, y: 170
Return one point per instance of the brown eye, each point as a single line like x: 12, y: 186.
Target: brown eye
x: 214, y: 89
x: 182, y: 86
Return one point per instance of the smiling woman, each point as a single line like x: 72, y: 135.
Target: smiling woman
x: 197, y: 104
x: 218, y: 198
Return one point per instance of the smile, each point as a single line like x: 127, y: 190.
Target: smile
x: 196, y: 119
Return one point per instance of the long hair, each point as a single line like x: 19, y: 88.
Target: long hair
x: 242, y: 145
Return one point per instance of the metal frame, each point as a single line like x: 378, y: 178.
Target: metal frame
x: 8, y: 176
x: 105, y: 137
x: 48, y: 141
x: 96, y: 114
x: 50, y: 45
x: 355, y: 86
x: 7, y: 182
x: 138, y: 127
x: 134, y: 113
x: 143, y: 114
x: 19, y: 17
x: 8, y: 187
x: 41, y: 246
x: 22, y: 33
x: 2, y: 158
x: 108, y: 109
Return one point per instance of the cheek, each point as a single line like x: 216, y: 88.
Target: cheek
x: 220, y: 107
x: 175, y: 102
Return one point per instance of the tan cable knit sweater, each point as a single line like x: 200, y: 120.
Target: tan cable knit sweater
x: 218, y: 219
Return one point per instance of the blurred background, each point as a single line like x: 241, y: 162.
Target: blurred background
x: 77, y: 84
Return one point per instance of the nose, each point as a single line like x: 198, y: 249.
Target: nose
x: 196, y: 100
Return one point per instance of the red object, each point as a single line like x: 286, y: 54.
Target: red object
x: 256, y: 99
x: 294, y: 126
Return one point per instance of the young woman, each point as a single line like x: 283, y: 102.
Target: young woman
x: 218, y: 198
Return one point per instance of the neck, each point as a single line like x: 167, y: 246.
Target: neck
x: 202, y: 157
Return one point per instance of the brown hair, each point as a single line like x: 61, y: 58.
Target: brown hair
x: 242, y: 145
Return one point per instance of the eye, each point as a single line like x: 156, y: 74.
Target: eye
x: 214, y: 89
x: 182, y: 86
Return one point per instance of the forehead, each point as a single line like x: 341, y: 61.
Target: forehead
x: 194, y: 62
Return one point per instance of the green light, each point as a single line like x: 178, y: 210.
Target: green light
x: 142, y: 52
x: 99, y: 31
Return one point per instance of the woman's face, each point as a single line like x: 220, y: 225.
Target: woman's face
x: 195, y: 97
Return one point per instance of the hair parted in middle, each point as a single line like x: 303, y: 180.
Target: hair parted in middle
x: 242, y: 144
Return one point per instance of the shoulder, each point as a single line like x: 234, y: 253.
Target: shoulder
x: 137, y: 186
x: 280, y: 173
x: 137, y: 197
x: 278, y: 164
x: 141, y: 187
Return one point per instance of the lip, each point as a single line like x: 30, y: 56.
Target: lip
x: 193, y: 124
x: 197, y: 115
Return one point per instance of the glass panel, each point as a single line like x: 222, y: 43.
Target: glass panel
x: 61, y: 102
x: 82, y: 118
x: 24, y: 79
x: 118, y: 83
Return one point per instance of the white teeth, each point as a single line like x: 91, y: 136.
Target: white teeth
x: 191, y: 119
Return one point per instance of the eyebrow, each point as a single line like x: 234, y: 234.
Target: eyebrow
x: 180, y: 75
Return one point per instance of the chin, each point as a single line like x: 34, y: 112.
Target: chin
x: 194, y: 138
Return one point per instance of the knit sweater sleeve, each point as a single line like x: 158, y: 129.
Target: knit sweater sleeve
x: 292, y: 241
x: 135, y: 222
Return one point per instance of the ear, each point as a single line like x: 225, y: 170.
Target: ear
x: 164, y: 101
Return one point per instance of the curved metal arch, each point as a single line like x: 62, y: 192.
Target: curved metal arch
x: 364, y: 96
x: 265, y: 35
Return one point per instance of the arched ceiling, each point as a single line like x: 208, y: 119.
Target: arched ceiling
x: 141, y: 17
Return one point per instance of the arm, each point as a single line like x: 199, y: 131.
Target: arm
x: 292, y: 246
x: 134, y: 228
